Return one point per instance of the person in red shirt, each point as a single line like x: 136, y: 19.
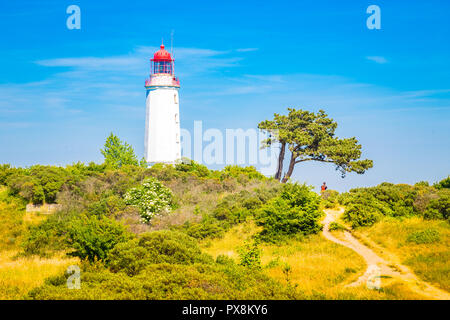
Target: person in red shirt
x: 323, y: 188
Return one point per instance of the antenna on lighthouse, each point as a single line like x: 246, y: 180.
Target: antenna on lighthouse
x: 171, y: 50
x: 171, y: 42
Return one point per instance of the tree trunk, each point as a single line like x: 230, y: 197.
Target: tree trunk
x: 290, y: 170
x: 280, y: 161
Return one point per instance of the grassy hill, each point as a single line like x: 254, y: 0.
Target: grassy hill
x: 187, y: 232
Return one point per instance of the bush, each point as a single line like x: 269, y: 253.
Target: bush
x: 443, y: 184
x: 295, y: 211
x: 439, y: 208
x: 93, y: 238
x: 330, y: 198
x: 334, y: 226
x: 47, y: 237
x: 242, y: 173
x: 365, y: 206
x: 156, y: 247
x: 424, y: 237
x: 207, y: 227
x: 169, y: 282
x: 250, y: 254
x: 193, y: 167
x: 152, y: 198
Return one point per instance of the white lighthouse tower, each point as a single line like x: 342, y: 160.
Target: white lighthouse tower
x: 162, y: 127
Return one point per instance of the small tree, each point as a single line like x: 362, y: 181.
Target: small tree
x: 151, y: 198
x: 311, y: 137
x: 118, y: 153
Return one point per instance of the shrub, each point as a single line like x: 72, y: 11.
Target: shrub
x: 439, y: 208
x: 92, y: 237
x: 294, y: 211
x: 193, y: 167
x: 207, y: 227
x: 424, y: 237
x: 169, y: 282
x: 443, y: 184
x: 330, y: 198
x: 250, y: 254
x: 335, y: 226
x: 152, y: 198
x: 361, y: 215
x: 156, y: 247
x: 238, y: 172
x: 47, y: 237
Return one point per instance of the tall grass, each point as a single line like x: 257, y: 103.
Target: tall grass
x: 319, y: 268
x: 420, y: 244
x: 19, y: 275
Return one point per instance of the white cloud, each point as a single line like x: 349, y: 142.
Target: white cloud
x: 246, y: 49
x: 377, y: 59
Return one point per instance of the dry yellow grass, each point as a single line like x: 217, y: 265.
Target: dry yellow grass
x: 320, y: 268
x: 18, y: 276
x: 430, y: 261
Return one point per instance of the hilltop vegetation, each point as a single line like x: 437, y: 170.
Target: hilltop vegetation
x: 172, y: 232
x: 120, y: 244
x: 137, y: 250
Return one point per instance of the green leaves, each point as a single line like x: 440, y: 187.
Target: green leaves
x: 94, y: 237
x: 295, y: 211
x: 118, y: 153
x: 152, y: 198
x: 311, y: 137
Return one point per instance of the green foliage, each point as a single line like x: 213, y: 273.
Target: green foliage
x: 241, y: 173
x: 168, y: 282
x: 439, y: 208
x: 208, y: 227
x: 193, y: 167
x: 11, y: 217
x: 156, y: 247
x: 335, y: 226
x: 38, y: 184
x: 330, y: 198
x: 92, y: 237
x: 443, y: 184
x: 365, y: 206
x: 294, y: 211
x: 311, y: 137
x: 151, y: 197
x: 46, y: 238
x: 424, y: 237
x: 118, y: 153
x: 250, y: 254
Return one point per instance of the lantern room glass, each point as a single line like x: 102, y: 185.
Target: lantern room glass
x: 162, y: 67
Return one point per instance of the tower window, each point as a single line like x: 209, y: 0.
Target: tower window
x: 176, y: 117
x: 175, y: 98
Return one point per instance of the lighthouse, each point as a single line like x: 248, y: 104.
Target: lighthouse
x: 162, y: 120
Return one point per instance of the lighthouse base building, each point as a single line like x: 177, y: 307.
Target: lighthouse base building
x: 162, y: 127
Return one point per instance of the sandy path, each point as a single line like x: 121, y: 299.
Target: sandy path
x: 377, y: 266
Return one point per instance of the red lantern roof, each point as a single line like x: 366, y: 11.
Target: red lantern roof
x: 162, y: 55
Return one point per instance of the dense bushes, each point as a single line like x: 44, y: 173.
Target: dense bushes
x: 165, y: 265
x: 365, y: 206
x: 169, y: 282
x: 330, y: 198
x: 156, y: 247
x: 295, y: 211
x: 47, y: 237
x: 92, y: 237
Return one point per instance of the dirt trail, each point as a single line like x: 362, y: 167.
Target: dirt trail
x: 387, y: 269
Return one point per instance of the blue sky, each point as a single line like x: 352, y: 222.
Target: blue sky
x: 63, y: 91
